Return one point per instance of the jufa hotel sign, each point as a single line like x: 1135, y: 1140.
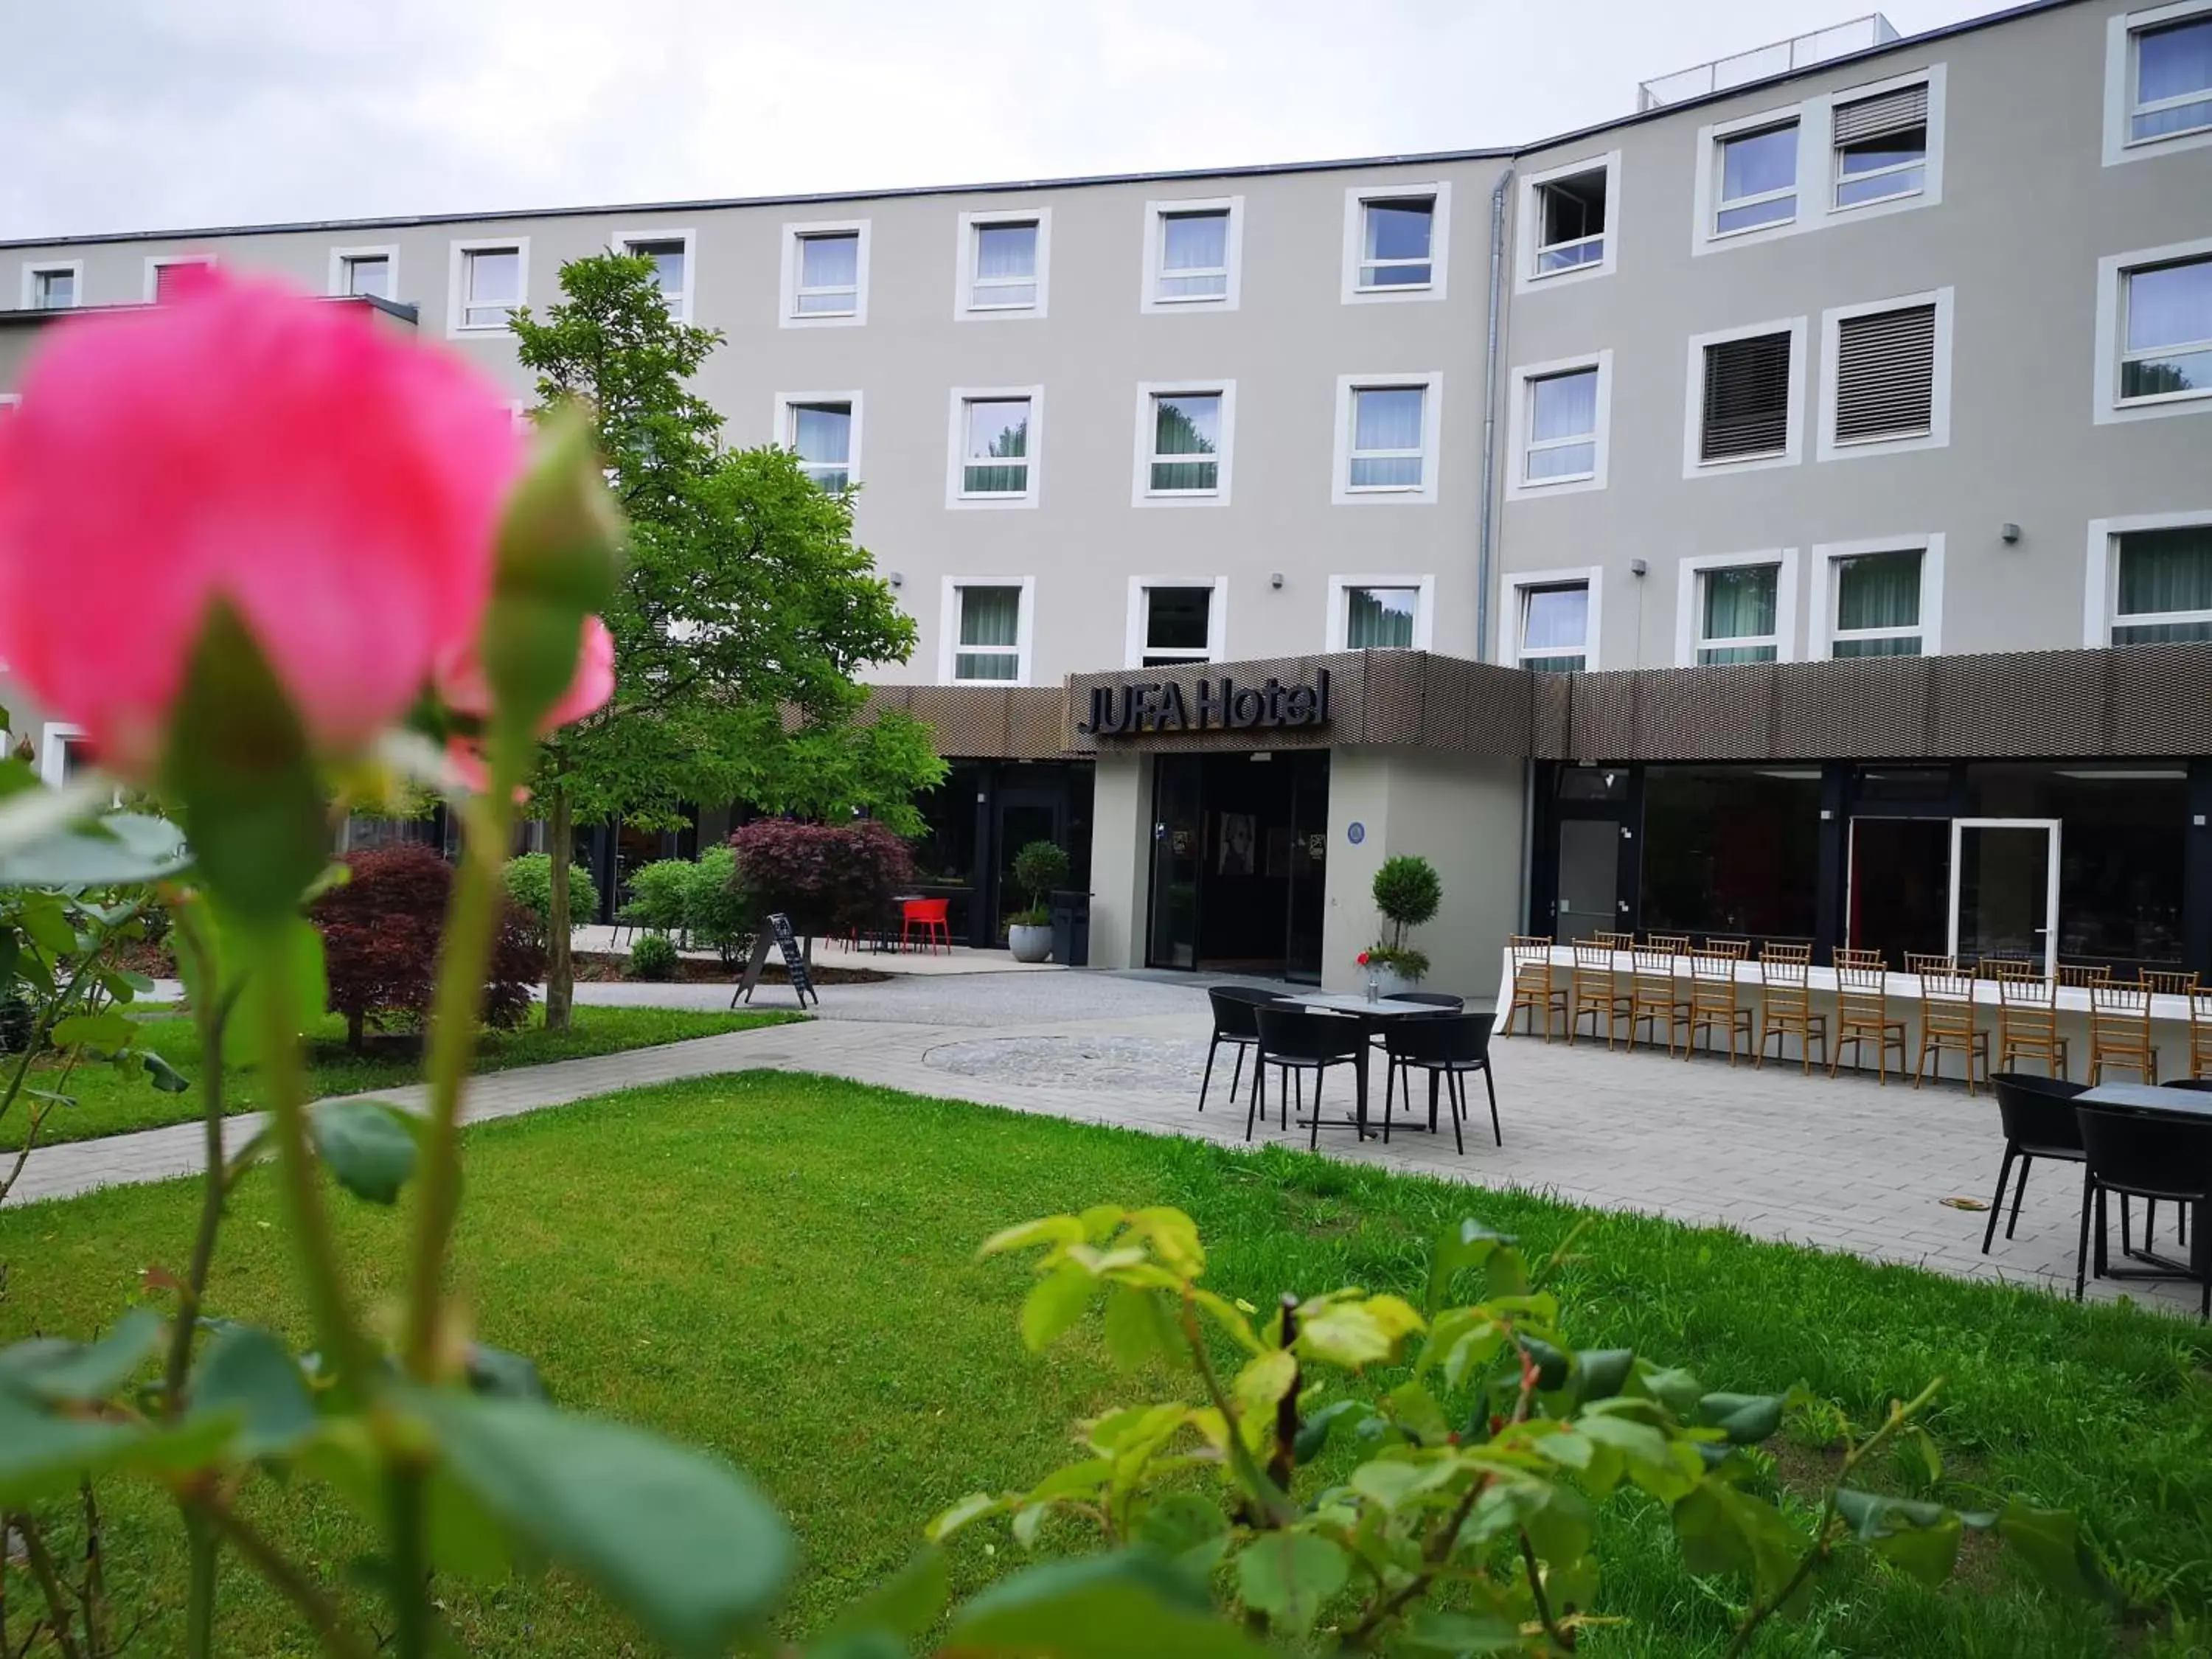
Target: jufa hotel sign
x: 1215, y: 703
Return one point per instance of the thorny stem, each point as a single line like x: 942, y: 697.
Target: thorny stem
x: 36, y: 1042
x: 316, y: 1607
x: 50, y: 1586
x: 210, y: 1013
x: 1823, y: 1543
x: 93, y: 1598
x: 1282, y: 1466
x: 1560, y: 1638
x: 1275, y: 1504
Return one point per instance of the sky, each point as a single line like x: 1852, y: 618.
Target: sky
x: 145, y: 114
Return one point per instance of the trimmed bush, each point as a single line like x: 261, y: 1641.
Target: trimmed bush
x: 1408, y: 892
x: 380, y: 932
x: 719, y: 911
x: 530, y: 886
x: 651, y: 955
x: 826, y: 878
x: 659, y: 895
x: 1038, y: 868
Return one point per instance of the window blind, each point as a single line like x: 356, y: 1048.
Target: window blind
x: 1886, y: 374
x: 1903, y: 110
x: 1747, y: 405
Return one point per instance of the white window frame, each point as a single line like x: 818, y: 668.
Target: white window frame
x: 2107, y: 406
x: 1820, y: 629
x: 1141, y: 492
x: 1531, y: 227
x: 1356, y: 198
x: 1938, y: 435
x: 1689, y: 592
x: 342, y: 258
x: 1519, y: 421
x: 1341, y: 492
x: 1816, y: 163
x: 2101, y: 593
x: 1149, y: 300
x: 1340, y: 589
x: 1216, y: 617
x: 53, y: 741
x: 11, y: 400
x: 948, y: 629
x: 1514, y: 593
x: 34, y: 269
x: 457, y: 283
x: 1693, y: 401
x: 2120, y: 30
x: 956, y: 447
x: 964, y: 266
x: 793, y: 233
x: 157, y: 263
x: 627, y: 241
x: 786, y: 435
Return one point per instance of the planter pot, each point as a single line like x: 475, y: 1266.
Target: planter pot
x: 1389, y: 981
x: 1029, y: 944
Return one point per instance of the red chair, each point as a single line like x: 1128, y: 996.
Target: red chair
x: 929, y: 915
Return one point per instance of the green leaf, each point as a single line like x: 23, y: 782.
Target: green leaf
x: 239, y: 765
x: 681, y: 1541
x: 1919, y: 1463
x: 971, y: 1508
x: 1414, y: 1409
x: 1603, y: 1372
x: 1431, y: 1629
x: 1746, y: 1419
x: 1551, y: 1362
x: 1724, y: 1530
x: 1468, y: 1244
x: 1288, y: 1576
x: 504, y: 1375
x: 120, y: 849
x: 902, y: 1608
x: 1354, y: 1334
x: 1928, y: 1553
x: 111, y: 1028
x: 1872, y: 1514
x: 1313, y: 1436
x: 41, y: 1456
x: 367, y: 1144
x: 1186, y: 1528
x: 52, y: 1370
x: 1264, y: 1381
x: 1054, y: 1303
x: 1129, y: 1605
x: 165, y: 1077
x: 1137, y: 1326
x: 247, y: 1373
x: 2049, y: 1541
x: 1055, y: 1230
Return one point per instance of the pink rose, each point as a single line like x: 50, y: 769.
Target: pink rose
x: 460, y: 680
x: 338, y: 483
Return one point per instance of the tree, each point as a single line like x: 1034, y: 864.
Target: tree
x: 745, y: 612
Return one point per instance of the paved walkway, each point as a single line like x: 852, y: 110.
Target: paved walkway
x: 1843, y: 1165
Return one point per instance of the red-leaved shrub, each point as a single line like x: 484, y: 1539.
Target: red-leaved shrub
x: 826, y: 878
x: 380, y: 944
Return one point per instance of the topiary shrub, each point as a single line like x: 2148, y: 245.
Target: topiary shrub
x: 826, y: 878
x: 1038, y: 868
x: 530, y: 886
x: 659, y: 895
x: 1407, y: 892
x: 719, y: 910
x: 651, y: 955
x: 381, y: 932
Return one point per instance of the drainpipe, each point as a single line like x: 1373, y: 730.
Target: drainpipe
x: 1485, y: 522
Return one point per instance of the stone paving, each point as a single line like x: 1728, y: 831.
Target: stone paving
x: 1843, y: 1165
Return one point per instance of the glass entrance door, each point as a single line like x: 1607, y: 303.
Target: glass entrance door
x: 1178, y: 853
x: 1024, y: 815
x: 2004, y: 889
x: 1589, y: 878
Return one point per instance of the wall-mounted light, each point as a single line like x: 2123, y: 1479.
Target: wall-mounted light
x: 2008, y: 533
x: 1638, y: 568
x: 1275, y: 580
x: 898, y: 578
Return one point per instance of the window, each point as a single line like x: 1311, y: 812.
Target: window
x: 1877, y: 600
x: 368, y: 275
x: 995, y: 447
x: 1186, y: 444
x: 1758, y: 179
x: 1881, y: 146
x: 670, y: 253
x: 1562, y: 428
x: 162, y: 275
x: 1005, y: 269
x: 1397, y: 241
x: 1738, y: 612
x: 1746, y: 404
x: 53, y: 288
x: 1555, y: 619
x: 490, y: 279
x: 2166, y: 350
x: 822, y: 430
x: 825, y: 275
x: 1191, y: 253
x: 1177, y: 626
x: 65, y: 754
x: 1381, y: 617
x: 1885, y: 374
x: 989, y: 632
x: 2170, y: 79
x: 1387, y: 438
x: 2163, y: 590
x: 1564, y: 223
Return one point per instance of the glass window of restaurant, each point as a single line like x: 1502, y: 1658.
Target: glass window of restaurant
x: 1732, y: 850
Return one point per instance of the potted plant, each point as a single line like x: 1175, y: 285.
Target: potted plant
x: 1038, y: 868
x: 1407, y: 892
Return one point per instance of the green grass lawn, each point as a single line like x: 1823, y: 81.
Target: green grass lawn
x: 782, y: 1269
x: 108, y: 1103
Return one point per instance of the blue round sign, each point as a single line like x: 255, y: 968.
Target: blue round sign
x: 1355, y: 832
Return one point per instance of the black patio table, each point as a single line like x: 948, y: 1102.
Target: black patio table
x: 2154, y: 1101
x: 1373, y: 1014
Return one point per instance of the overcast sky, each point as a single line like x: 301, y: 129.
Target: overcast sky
x: 141, y: 114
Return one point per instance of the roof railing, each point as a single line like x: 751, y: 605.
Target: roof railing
x: 1799, y: 52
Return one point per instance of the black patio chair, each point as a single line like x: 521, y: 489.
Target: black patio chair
x: 1447, y: 1046
x: 2141, y: 1154
x: 2201, y: 1086
x: 2039, y: 1122
x: 1233, y: 1024
x: 1296, y: 1041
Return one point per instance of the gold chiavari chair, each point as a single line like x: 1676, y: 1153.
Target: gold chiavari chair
x: 1594, y: 990
x: 2169, y: 982
x: 1949, y: 1025
x: 1785, y: 1003
x: 2200, y: 1031
x: 2006, y: 968
x: 1614, y: 941
x: 1739, y: 949
x: 1655, y: 996
x: 1713, y: 1006
x: 2080, y: 975
x: 2027, y: 1023
x: 2119, y: 1030
x: 1863, y: 1013
x: 1674, y: 944
x: 1536, y: 986
x: 1918, y: 962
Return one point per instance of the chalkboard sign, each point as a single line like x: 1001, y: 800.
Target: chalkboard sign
x: 794, y: 963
